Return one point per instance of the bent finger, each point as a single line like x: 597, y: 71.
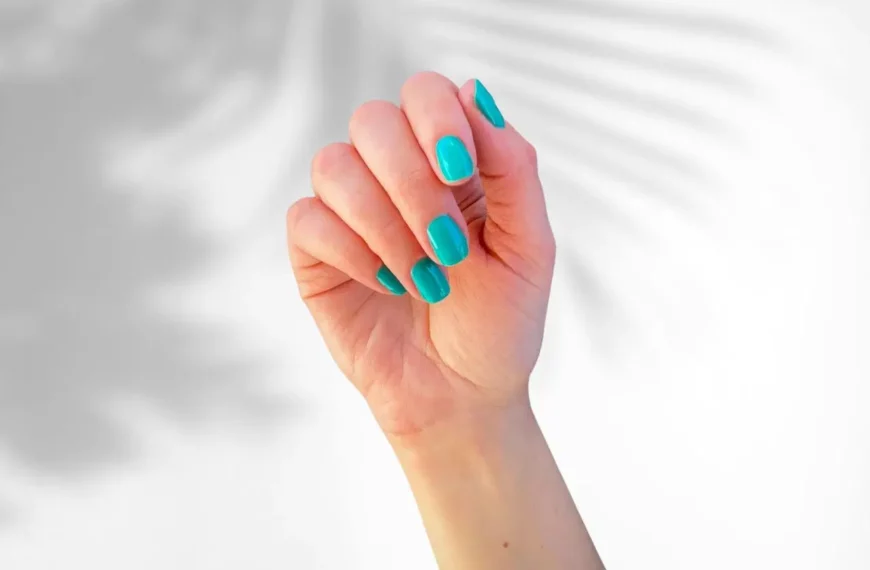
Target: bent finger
x: 327, y: 255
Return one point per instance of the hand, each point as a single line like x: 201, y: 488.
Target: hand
x: 443, y: 356
x: 441, y: 182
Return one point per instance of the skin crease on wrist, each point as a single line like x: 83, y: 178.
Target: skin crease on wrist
x: 426, y: 257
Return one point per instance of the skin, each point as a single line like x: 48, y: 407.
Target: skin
x: 447, y: 382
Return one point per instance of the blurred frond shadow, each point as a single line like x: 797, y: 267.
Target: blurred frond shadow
x: 6, y: 516
x: 77, y: 333
x: 79, y: 261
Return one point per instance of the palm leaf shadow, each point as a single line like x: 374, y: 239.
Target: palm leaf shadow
x: 80, y: 262
x: 6, y: 516
x: 533, y: 50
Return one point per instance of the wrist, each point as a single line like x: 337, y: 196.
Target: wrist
x: 491, y: 495
x: 476, y: 438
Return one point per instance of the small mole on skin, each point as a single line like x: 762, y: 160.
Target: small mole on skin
x: 505, y: 545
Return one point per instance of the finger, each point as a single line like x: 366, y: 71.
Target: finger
x: 516, y: 210
x: 383, y: 137
x: 347, y: 187
x: 438, y: 120
x: 327, y: 255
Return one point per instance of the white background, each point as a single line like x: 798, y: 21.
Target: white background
x: 166, y: 402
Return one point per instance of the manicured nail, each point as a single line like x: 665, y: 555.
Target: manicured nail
x: 453, y: 159
x: 447, y: 240
x: 486, y: 104
x: 390, y: 282
x: 430, y: 281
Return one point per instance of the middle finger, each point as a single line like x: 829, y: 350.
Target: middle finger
x: 383, y: 137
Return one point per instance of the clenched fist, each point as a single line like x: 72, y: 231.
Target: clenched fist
x: 426, y: 256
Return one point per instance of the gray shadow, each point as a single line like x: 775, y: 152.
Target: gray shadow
x: 354, y: 64
x: 544, y: 74
x: 7, y: 518
x: 679, y: 20
x: 599, y: 49
x: 79, y: 262
x: 78, y: 259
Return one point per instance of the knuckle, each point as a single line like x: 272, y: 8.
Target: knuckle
x: 348, y: 249
x: 425, y: 81
x: 371, y: 113
x: 297, y: 212
x: 531, y: 154
x: 549, y: 246
x: 331, y: 160
x: 544, y: 243
x: 415, y: 179
x: 393, y: 230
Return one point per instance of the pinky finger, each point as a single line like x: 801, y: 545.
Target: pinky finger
x: 328, y: 256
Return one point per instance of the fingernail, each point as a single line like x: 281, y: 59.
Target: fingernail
x: 486, y: 104
x: 390, y: 282
x: 453, y: 159
x: 447, y: 240
x: 430, y: 281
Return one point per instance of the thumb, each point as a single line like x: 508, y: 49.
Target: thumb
x: 516, y: 219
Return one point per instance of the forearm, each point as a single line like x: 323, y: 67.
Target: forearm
x: 491, y: 495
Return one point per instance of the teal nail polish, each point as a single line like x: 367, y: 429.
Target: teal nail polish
x: 453, y: 159
x: 430, y: 281
x: 448, y: 241
x: 486, y: 104
x: 388, y: 280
